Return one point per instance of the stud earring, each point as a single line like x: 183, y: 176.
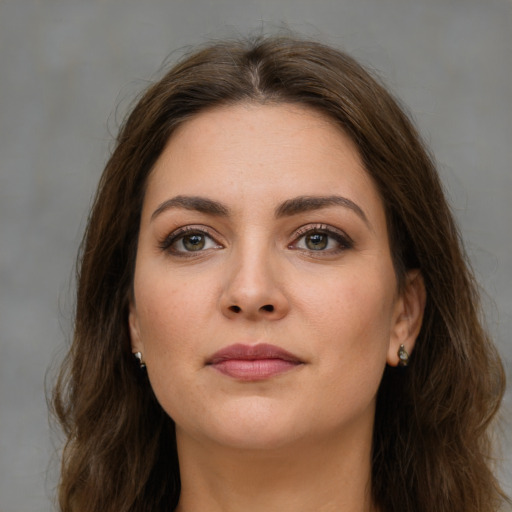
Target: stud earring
x: 403, y: 356
x: 138, y: 355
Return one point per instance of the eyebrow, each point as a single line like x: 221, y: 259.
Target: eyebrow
x: 288, y: 208
x: 309, y: 203
x: 199, y: 204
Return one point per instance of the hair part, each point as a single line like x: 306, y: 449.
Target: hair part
x: 431, y: 447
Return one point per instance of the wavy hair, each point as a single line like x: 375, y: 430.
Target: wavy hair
x: 431, y: 446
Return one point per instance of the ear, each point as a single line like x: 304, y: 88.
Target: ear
x: 133, y: 323
x: 408, y: 316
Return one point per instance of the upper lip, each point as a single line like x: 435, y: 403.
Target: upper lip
x: 251, y: 353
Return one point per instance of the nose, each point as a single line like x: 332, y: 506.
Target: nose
x: 254, y: 289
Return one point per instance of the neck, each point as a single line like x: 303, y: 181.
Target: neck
x: 321, y: 476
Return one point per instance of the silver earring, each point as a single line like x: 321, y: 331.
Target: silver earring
x: 138, y: 355
x: 403, y: 356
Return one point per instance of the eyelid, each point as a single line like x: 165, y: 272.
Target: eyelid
x: 345, y: 241
x: 166, y: 242
x: 339, y: 235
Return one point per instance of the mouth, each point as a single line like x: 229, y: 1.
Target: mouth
x: 253, y: 362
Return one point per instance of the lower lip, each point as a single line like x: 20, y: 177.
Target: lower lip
x: 250, y: 370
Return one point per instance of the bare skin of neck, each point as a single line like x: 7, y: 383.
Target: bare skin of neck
x: 327, y: 475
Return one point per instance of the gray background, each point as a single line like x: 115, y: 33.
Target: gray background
x: 65, y: 66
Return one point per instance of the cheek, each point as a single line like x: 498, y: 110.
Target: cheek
x: 357, y: 334
x: 168, y: 313
x: 347, y: 331
x: 359, y: 305
x: 352, y: 319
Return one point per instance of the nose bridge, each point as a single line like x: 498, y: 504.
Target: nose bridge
x: 253, y: 286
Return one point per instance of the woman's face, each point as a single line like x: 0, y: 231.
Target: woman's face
x: 265, y: 299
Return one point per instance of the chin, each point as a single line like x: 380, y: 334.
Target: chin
x: 256, y: 439
x: 253, y: 427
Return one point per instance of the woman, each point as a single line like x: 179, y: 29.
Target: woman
x: 274, y: 310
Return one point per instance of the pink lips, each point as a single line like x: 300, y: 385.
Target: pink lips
x: 253, y: 362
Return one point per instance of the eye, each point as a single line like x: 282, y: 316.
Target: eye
x: 187, y: 240
x: 321, y: 238
x: 316, y: 241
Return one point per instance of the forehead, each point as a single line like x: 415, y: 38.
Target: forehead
x: 262, y: 153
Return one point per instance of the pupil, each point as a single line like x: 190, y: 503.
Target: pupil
x: 194, y: 242
x: 317, y: 241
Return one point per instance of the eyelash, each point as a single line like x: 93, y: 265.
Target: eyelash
x: 342, y: 239
x: 178, y: 235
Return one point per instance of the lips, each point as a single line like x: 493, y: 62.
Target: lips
x: 253, y: 362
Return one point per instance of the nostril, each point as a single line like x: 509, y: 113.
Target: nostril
x: 268, y: 307
x: 235, y: 309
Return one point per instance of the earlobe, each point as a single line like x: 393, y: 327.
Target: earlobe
x: 408, y: 318
x: 133, y: 324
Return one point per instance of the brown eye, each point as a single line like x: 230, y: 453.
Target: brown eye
x: 321, y: 239
x: 194, y: 242
x: 316, y: 241
x: 188, y: 240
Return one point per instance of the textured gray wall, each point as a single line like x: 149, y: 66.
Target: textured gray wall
x: 66, y: 64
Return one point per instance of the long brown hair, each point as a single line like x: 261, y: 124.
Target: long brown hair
x: 431, y: 448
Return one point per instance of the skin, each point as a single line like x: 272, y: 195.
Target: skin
x: 260, y: 278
